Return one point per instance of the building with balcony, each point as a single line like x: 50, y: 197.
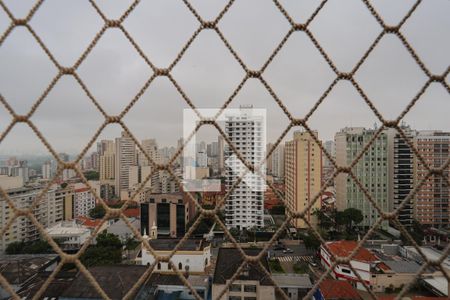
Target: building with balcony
x: 244, y: 207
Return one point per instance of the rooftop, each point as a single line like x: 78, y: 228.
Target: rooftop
x: 338, y: 289
x: 170, y: 244
x: 230, y: 259
x: 403, y: 266
x: 67, y: 229
x: 18, y: 268
x: 345, y: 248
x: 292, y: 280
x: 115, y: 280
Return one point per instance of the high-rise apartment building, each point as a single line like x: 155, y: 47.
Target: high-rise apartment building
x: 220, y: 153
x: 50, y: 210
x: 125, y: 157
x: 244, y: 207
x: 372, y: 170
x: 151, y: 148
x: 303, y: 175
x: 432, y: 200
x: 47, y: 170
x: 401, y: 172
x: 277, y: 159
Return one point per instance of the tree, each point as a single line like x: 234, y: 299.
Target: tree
x: 310, y: 240
x: 36, y: 247
x: 107, y: 251
x: 354, y: 216
x: 92, y: 175
x: 97, y: 212
x: 277, y: 210
x: 416, y: 232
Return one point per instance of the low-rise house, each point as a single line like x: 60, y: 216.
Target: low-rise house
x: 331, y: 289
x: 121, y: 229
x: 170, y: 286
x: 116, y: 281
x: 251, y: 284
x: 361, y: 262
x: 19, y: 269
x: 295, y: 286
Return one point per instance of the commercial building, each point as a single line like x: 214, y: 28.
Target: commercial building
x: 372, y: 170
x: 193, y: 257
x: 169, y: 212
x: 125, y: 157
x: 432, y: 206
x: 244, y: 207
x: 303, y: 175
x: 251, y: 283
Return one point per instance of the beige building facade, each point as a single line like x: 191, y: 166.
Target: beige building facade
x: 303, y: 175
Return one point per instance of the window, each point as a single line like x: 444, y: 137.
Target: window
x: 159, y: 266
x: 180, y: 266
x: 235, y: 288
x: 347, y: 271
x: 251, y: 298
x: 250, y: 288
x: 235, y: 298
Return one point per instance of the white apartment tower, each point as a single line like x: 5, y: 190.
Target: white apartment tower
x: 245, y: 206
x: 125, y: 157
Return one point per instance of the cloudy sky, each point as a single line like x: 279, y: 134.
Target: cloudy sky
x: 114, y: 72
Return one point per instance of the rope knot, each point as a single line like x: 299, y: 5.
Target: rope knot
x: 112, y: 23
x: 437, y: 78
x: 254, y: 74
x: 113, y: 119
x: 21, y: 119
x: 299, y: 27
x: 208, y: 25
x: 390, y: 29
x: 20, y: 22
x: 162, y: 72
x: 344, y: 76
x: 390, y: 124
x: 66, y: 71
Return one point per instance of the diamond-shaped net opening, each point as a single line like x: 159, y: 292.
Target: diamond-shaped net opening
x: 304, y: 32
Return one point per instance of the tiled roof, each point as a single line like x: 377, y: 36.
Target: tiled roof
x: 345, y: 248
x: 338, y: 289
x: 91, y: 223
x: 132, y: 213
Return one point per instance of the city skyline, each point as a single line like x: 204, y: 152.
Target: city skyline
x: 390, y: 77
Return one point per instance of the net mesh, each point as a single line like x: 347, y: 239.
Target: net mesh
x: 208, y: 25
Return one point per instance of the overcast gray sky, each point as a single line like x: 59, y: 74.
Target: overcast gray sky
x: 114, y: 72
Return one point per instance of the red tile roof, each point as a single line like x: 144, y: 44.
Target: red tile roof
x: 132, y: 213
x: 345, y: 248
x: 338, y: 289
x: 92, y: 223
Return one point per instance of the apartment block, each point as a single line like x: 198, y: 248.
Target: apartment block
x: 432, y: 200
x: 401, y: 171
x: 372, y: 170
x: 303, y: 175
x: 244, y: 207
x: 48, y: 211
x: 125, y: 157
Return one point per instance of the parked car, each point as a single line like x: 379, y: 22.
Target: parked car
x: 288, y: 250
x: 279, y: 247
x: 312, y: 264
